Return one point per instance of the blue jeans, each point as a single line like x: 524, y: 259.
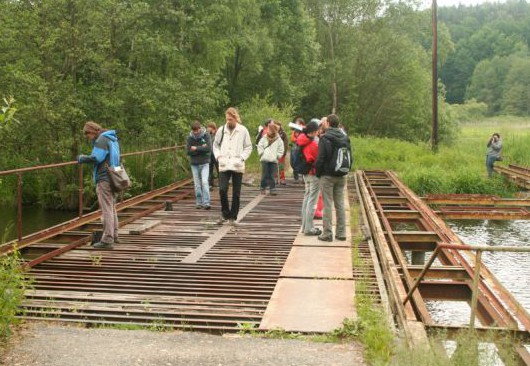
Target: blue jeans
x: 200, y: 180
x: 267, y: 175
x: 490, y: 161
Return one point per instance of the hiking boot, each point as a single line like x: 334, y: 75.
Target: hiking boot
x: 313, y: 232
x: 102, y: 245
x: 341, y: 238
x: 325, y: 238
x: 207, y: 207
x: 274, y: 193
x: 221, y: 221
x: 198, y: 207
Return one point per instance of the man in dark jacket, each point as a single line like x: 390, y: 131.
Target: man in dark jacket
x: 332, y: 179
x: 102, y: 141
x: 199, y: 149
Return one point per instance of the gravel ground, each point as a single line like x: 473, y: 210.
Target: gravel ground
x: 43, y: 345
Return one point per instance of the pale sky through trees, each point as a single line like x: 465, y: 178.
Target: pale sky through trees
x: 428, y: 3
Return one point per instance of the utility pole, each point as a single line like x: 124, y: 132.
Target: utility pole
x: 434, y: 134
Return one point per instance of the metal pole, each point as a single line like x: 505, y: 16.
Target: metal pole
x: 152, y: 171
x: 434, y: 135
x: 19, y: 206
x: 81, y: 203
x: 474, y: 294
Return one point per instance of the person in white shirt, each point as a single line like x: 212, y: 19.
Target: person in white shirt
x: 270, y: 150
x: 232, y: 146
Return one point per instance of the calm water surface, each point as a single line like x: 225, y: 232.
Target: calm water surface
x: 34, y: 218
x: 511, y: 269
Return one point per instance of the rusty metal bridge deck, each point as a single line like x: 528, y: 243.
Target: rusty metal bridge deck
x: 158, y: 277
x: 516, y: 174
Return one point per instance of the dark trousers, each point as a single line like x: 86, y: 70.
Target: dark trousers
x: 214, y: 166
x: 237, y: 179
x: 268, y: 171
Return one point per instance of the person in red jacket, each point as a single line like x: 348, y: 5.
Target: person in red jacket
x: 309, y: 147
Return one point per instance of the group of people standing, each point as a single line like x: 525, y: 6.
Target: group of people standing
x: 224, y: 150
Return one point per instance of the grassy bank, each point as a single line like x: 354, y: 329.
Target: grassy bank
x: 458, y: 168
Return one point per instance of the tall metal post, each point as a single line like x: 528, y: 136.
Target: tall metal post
x: 19, y: 206
x: 434, y: 135
x: 81, y: 189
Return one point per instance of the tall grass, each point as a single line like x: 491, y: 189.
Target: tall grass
x: 458, y: 168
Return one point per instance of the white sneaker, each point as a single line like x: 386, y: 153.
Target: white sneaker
x: 232, y: 222
x: 220, y: 221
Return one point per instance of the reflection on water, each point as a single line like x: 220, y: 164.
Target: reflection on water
x: 511, y: 269
x: 34, y: 218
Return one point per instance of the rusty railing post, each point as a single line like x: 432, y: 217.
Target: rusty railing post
x: 420, y: 277
x: 81, y: 189
x: 19, y: 206
x: 175, y: 159
x: 474, y: 293
x: 152, y: 171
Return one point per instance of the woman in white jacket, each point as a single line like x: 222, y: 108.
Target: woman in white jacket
x: 270, y: 150
x: 231, y: 147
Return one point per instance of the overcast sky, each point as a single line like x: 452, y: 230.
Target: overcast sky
x: 427, y: 3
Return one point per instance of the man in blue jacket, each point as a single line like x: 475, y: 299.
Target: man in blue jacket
x: 198, y: 148
x: 103, y: 142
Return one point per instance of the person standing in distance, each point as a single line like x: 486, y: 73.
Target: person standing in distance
x: 332, y: 179
x: 103, y: 141
x: 494, y: 153
x: 232, y: 146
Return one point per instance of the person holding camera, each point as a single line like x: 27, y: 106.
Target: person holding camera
x: 494, y: 152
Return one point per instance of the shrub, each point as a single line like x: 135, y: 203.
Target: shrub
x: 13, y: 285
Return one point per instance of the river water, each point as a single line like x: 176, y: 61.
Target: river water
x: 512, y: 269
x: 34, y: 218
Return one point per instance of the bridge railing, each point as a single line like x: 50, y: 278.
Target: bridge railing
x: 476, y: 277
x: 20, y: 172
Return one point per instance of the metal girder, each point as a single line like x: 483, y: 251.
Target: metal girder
x: 449, y: 280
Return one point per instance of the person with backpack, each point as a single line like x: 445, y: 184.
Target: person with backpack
x: 306, y: 159
x: 105, y: 153
x: 333, y: 164
x: 198, y: 148
x: 232, y: 147
x: 270, y: 150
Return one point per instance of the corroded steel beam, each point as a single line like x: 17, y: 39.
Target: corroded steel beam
x: 452, y: 278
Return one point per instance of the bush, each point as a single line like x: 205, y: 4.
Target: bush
x: 13, y: 285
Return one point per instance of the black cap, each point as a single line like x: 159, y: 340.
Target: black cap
x: 311, y: 127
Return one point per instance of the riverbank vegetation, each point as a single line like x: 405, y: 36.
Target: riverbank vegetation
x: 13, y: 285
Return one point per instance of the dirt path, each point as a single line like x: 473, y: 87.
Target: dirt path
x: 45, y: 345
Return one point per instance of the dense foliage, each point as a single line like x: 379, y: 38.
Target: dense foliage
x: 491, y: 60
x: 147, y: 68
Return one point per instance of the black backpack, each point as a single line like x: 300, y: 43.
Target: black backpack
x: 301, y: 165
x: 341, y: 159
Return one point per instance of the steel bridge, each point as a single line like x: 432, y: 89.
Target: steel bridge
x: 175, y: 268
